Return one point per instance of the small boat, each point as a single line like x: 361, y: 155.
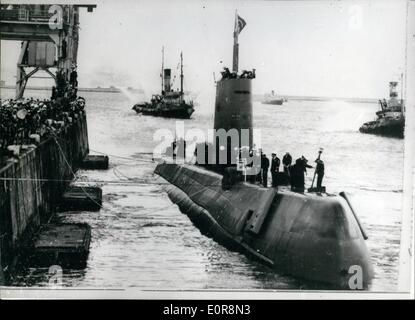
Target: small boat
x: 390, y: 119
x: 170, y: 103
x: 273, y: 99
x: 391, y: 125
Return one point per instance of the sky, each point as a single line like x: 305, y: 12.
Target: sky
x: 311, y: 48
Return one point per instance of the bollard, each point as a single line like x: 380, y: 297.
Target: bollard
x: 99, y: 162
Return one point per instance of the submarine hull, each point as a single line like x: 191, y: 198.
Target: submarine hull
x: 307, y: 236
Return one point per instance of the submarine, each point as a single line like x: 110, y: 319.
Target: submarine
x: 307, y: 235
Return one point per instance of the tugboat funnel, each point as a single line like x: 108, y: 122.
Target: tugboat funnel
x: 167, y: 77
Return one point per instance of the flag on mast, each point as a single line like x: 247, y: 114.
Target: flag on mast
x: 239, y: 24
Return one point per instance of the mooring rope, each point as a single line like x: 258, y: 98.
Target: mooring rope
x: 160, y: 209
x: 130, y: 181
x: 87, y: 194
x: 126, y: 158
x: 75, y: 177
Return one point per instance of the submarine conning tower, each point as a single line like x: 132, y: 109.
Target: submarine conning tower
x: 233, y: 111
x: 233, y: 105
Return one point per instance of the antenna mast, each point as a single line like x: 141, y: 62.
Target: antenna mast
x: 235, y: 45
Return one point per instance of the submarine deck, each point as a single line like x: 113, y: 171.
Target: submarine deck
x: 243, y: 184
x: 311, y: 236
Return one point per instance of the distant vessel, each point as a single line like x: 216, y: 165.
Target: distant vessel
x: 170, y: 103
x: 391, y: 118
x: 273, y: 99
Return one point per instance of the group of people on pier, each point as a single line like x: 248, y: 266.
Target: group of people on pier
x: 64, y: 88
x: 19, y: 119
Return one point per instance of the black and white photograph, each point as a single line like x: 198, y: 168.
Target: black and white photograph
x: 198, y: 149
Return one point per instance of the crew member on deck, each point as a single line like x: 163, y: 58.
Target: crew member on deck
x: 286, y: 161
x: 226, y: 73
x: 264, y: 169
x: 275, y: 168
x: 173, y: 147
x: 297, y: 176
x: 319, y: 172
x: 259, y: 167
x: 305, y: 164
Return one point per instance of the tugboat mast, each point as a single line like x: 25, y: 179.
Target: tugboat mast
x: 162, y: 69
x: 181, y: 74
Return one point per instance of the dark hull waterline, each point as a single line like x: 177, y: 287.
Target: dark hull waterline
x: 388, y: 129
x: 182, y: 113
x: 274, y: 102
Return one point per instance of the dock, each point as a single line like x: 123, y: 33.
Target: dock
x: 81, y: 198
x: 34, y: 178
x: 63, y: 244
x: 96, y: 162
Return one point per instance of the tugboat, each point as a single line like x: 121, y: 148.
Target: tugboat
x: 315, y: 236
x: 170, y: 103
x: 391, y: 116
x: 273, y: 99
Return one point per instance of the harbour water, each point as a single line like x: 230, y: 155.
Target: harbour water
x: 140, y: 239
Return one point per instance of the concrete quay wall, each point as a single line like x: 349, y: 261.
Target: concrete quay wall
x: 31, y: 185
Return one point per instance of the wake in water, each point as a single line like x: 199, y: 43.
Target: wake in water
x: 131, y: 96
x: 345, y: 116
